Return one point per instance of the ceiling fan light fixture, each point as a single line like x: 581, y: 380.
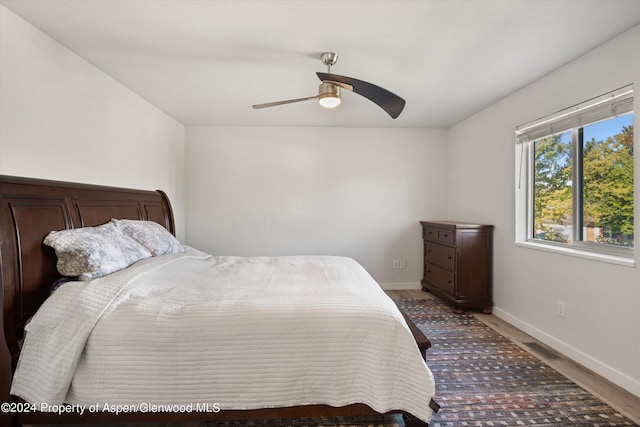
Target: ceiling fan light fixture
x: 329, y: 101
x: 329, y: 96
x: 329, y: 93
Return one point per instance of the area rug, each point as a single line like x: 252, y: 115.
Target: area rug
x: 483, y: 379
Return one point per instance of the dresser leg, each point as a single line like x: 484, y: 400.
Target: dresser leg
x: 486, y: 310
x: 424, y: 286
x: 458, y: 310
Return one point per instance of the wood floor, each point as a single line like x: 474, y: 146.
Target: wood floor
x: 618, y: 398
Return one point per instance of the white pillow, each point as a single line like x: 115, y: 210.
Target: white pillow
x: 92, y: 252
x: 157, y: 239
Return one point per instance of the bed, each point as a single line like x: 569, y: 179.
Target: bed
x: 31, y: 208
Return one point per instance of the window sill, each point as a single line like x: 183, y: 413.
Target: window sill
x: 612, y: 259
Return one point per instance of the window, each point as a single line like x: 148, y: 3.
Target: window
x: 578, y: 176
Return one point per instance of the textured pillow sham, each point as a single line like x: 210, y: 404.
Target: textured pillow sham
x: 157, y: 239
x: 92, y: 252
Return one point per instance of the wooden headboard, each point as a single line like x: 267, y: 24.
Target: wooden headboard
x: 31, y: 208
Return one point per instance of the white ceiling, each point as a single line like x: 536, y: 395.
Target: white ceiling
x: 206, y: 62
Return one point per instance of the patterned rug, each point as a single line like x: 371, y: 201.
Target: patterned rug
x: 483, y: 379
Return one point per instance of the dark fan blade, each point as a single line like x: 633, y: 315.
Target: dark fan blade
x: 388, y: 101
x: 288, y: 101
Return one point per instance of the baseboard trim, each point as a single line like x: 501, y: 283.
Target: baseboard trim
x: 572, y: 353
x: 399, y: 286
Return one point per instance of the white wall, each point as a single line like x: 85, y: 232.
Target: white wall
x: 63, y: 119
x: 601, y: 328
x: 337, y: 191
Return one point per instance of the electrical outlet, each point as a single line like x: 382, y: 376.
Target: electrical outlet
x: 560, y: 309
x: 399, y: 264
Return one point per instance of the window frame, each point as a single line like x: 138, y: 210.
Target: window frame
x: 525, y: 217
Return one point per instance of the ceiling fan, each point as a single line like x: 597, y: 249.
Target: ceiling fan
x: 329, y: 91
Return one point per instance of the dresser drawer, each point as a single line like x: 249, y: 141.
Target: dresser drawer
x: 439, y: 277
x: 443, y: 256
x: 430, y: 234
x: 446, y: 236
x: 440, y: 235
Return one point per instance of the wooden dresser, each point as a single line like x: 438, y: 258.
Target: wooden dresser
x: 458, y: 263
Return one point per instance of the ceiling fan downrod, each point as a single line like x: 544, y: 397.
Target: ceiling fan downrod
x: 329, y: 59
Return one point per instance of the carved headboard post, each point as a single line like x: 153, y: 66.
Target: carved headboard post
x: 29, y: 210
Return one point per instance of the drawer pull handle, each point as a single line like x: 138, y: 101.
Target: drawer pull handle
x: 448, y: 281
x: 428, y: 250
x: 449, y: 257
x: 429, y: 272
x: 446, y: 235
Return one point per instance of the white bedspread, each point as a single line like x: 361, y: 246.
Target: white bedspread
x: 244, y: 333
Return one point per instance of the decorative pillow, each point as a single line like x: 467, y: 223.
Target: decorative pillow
x: 92, y: 252
x: 157, y: 239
